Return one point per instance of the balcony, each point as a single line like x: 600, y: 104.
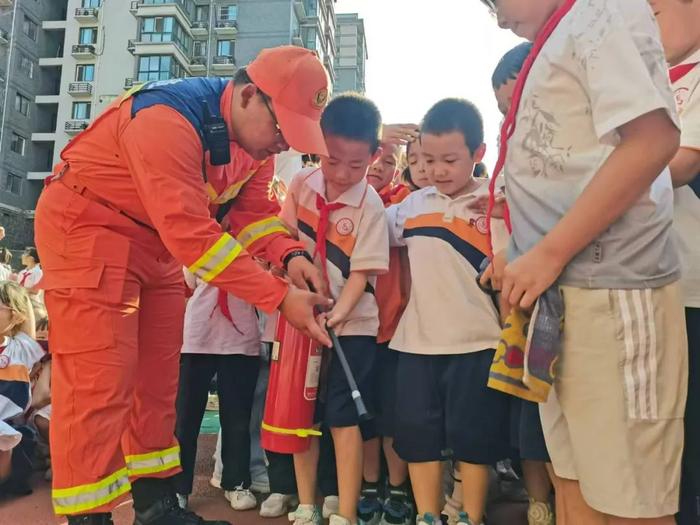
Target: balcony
x: 200, y: 28
x: 80, y: 89
x: 51, y: 62
x: 223, y: 63
x: 73, y: 127
x: 300, y: 9
x: 54, y: 25
x: 48, y: 136
x: 83, y: 51
x: 38, y: 175
x: 198, y: 65
x: 4, y: 37
x: 176, y: 8
x: 86, y: 14
x: 47, y: 99
x: 226, y: 27
x: 132, y: 82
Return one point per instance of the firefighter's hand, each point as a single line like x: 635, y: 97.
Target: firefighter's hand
x: 303, y: 273
x: 399, y: 133
x: 298, y: 308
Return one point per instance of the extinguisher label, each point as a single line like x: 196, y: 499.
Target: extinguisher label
x: 275, y: 355
x: 313, y: 373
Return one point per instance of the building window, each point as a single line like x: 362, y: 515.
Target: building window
x: 201, y: 13
x: 228, y: 12
x: 81, y: 110
x: 88, y: 35
x: 311, y: 7
x: 92, y: 3
x: 200, y: 48
x: 164, y: 29
x: 159, y: 68
x: 13, y: 183
x: 85, y: 73
x: 29, y: 27
x: 309, y: 38
x: 18, y: 143
x: 224, y: 48
x: 26, y: 65
x: 22, y: 104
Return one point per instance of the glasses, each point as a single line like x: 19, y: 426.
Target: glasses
x: 278, y: 136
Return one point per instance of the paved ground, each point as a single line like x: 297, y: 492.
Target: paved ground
x: 206, y: 500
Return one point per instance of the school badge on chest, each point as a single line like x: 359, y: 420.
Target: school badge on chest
x: 4, y: 361
x: 344, y: 226
x: 480, y: 224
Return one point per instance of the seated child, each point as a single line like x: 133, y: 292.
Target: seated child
x: 450, y: 327
x: 340, y: 218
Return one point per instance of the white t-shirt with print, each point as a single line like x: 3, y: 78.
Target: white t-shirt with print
x: 687, y: 198
x: 601, y: 68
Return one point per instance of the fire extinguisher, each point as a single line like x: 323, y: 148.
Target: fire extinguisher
x: 295, y: 368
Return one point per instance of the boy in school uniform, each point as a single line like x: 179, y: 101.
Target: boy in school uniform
x: 341, y: 220
x: 449, y: 329
x: 591, y: 134
x: 679, y: 22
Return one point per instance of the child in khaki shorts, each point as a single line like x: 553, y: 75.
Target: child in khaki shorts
x: 591, y: 207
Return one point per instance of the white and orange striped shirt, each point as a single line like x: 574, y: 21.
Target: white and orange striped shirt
x: 356, y: 240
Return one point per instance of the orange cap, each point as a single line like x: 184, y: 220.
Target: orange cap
x: 296, y: 81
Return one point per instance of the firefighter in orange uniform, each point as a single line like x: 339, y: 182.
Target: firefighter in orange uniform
x: 136, y: 196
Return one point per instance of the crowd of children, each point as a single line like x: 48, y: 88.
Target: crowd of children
x: 430, y: 265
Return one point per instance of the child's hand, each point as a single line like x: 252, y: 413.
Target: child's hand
x: 481, y: 205
x: 494, y: 272
x: 529, y: 276
x: 336, y: 316
x: 399, y: 133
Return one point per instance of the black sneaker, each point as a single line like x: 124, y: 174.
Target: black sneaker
x: 168, y: 512
x: 369, y: 508
x: 91, y: 519
x: 397, y: 507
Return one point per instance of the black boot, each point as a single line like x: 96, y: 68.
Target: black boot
x: 168, y: 512
x: 91, y: 519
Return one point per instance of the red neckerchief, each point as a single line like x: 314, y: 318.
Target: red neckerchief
x: 678, y: 72
x: 388, y: 195
x: 24, y: 278
x: 325, y: 210
x: 222, y: 304
x: 508, y: 127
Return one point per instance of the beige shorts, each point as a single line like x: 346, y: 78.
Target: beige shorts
x: 614, y: 420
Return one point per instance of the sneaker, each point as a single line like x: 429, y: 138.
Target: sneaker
x: 397, y: 511
x: 539, y: 513
x: 168, y: 512
x: 337, y: 519
x: 427, y: 519
x: 306, y: 515
x: 369, y: 510
x: 241, y: 499
x: 331, y: 505
x: 463, y: 519
x: 182, y: 500
x: 215, y: 482
x: 91, y: 519
x: 276, y: 505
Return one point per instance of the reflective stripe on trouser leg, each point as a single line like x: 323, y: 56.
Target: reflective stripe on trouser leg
x: 84, y: 498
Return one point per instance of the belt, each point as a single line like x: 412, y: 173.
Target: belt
x: 72, y: 182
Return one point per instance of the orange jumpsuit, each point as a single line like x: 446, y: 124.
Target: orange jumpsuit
x: 126, y: 208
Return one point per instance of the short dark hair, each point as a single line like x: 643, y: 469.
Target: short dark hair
x: 5, y: 256
x: 353, y: 116
x: 32, y: 252
x: 455, y: 114
x: 510, y: 65
x: 241, y: 77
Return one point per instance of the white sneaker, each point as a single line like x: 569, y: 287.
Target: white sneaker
x: 215, y: 482
x: 241, y: 499
x: 276, y: 505
x: 305, y: 515
x: 183, y: 500
x: 337, y: 519
x: 331, y: 505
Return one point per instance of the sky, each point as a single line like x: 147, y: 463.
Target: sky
x: 421, y: 51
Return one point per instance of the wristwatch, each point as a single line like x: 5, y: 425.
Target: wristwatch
x: 296, y: 253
